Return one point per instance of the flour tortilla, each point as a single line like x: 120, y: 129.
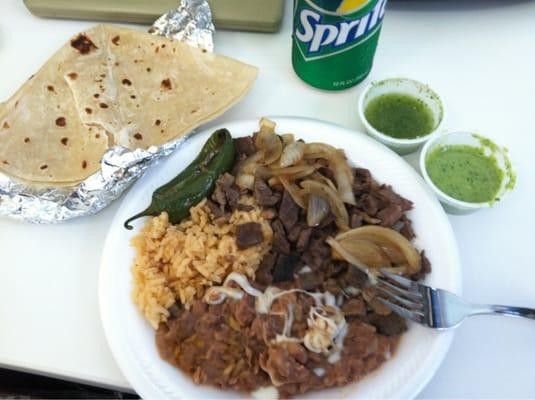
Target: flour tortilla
x: 33, y: 147
x: 112, y: 86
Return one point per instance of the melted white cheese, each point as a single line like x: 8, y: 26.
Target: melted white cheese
x: 289, y: 320
x: 326, y: 323
x: 352, y: 290
x: 243, y: 283
x: 265, y: 393
x: 305, y: 270
x: 334, y: 357
x: 218, y: 294
x: 284, y: 338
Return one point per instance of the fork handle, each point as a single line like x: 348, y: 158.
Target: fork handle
x: 511, y: 311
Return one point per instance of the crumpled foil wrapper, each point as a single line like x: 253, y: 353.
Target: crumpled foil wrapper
x: 191, y: 23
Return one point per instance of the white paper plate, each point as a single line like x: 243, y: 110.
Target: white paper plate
x: 420, y: 351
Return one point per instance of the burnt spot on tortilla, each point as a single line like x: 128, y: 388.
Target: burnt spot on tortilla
x: 83, y: 44
x: 148, y: 69
x: 97, y: 136
x: 126, y: 82
x: 84, y: 164
x: 61, y: 121
x: 16, y: 103
x: 157, y: 49
x: 166, y: 84
x: 138, y: 136
x: 116, y: 63
x: 50, y: 88
x: 44, y: 166
x: 88, y: 110
x: 136, y: 61
x: 5, y: 162
x: 103, y: 105
x: 132, y: 96
x: 194, y: 110
x: 204, y: 50
x: 115, y: 40
x: 102, y: 75
x: 72, y: 75
x: 5, y: 125
x: 64, y: 141
x: 96, y: 95
x: 26, y: 140
x: 157, y: 122
x: 31, y: 77
x: 162, y: 130
x: 163, y: 46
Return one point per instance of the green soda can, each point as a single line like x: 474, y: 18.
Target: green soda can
x: 334, y: 41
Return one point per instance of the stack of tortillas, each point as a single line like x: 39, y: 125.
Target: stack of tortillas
x: 112, y: 86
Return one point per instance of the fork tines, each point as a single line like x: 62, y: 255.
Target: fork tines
x: 401, y: 295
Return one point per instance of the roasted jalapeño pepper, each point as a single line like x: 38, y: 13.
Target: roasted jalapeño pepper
x: 207, y: 153
x: 194, y: 183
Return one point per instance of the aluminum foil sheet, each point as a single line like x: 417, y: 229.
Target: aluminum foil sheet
x: 191, y: 23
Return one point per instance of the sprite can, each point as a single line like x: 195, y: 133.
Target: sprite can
x: 334, y: 41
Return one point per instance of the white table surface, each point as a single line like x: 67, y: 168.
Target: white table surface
x: 479, y: 55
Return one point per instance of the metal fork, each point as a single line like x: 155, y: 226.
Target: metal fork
x: 435, y: 308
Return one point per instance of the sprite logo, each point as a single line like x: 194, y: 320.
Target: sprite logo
x: 328, y: 27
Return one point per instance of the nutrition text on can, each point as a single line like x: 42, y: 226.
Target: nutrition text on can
x: 334, y: 41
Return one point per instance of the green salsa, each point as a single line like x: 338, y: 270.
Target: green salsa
x: 400, y: 115
x: 465, y: 173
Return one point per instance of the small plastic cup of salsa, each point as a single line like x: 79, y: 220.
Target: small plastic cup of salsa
x: 466, y: 171
x: 401, y: 113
